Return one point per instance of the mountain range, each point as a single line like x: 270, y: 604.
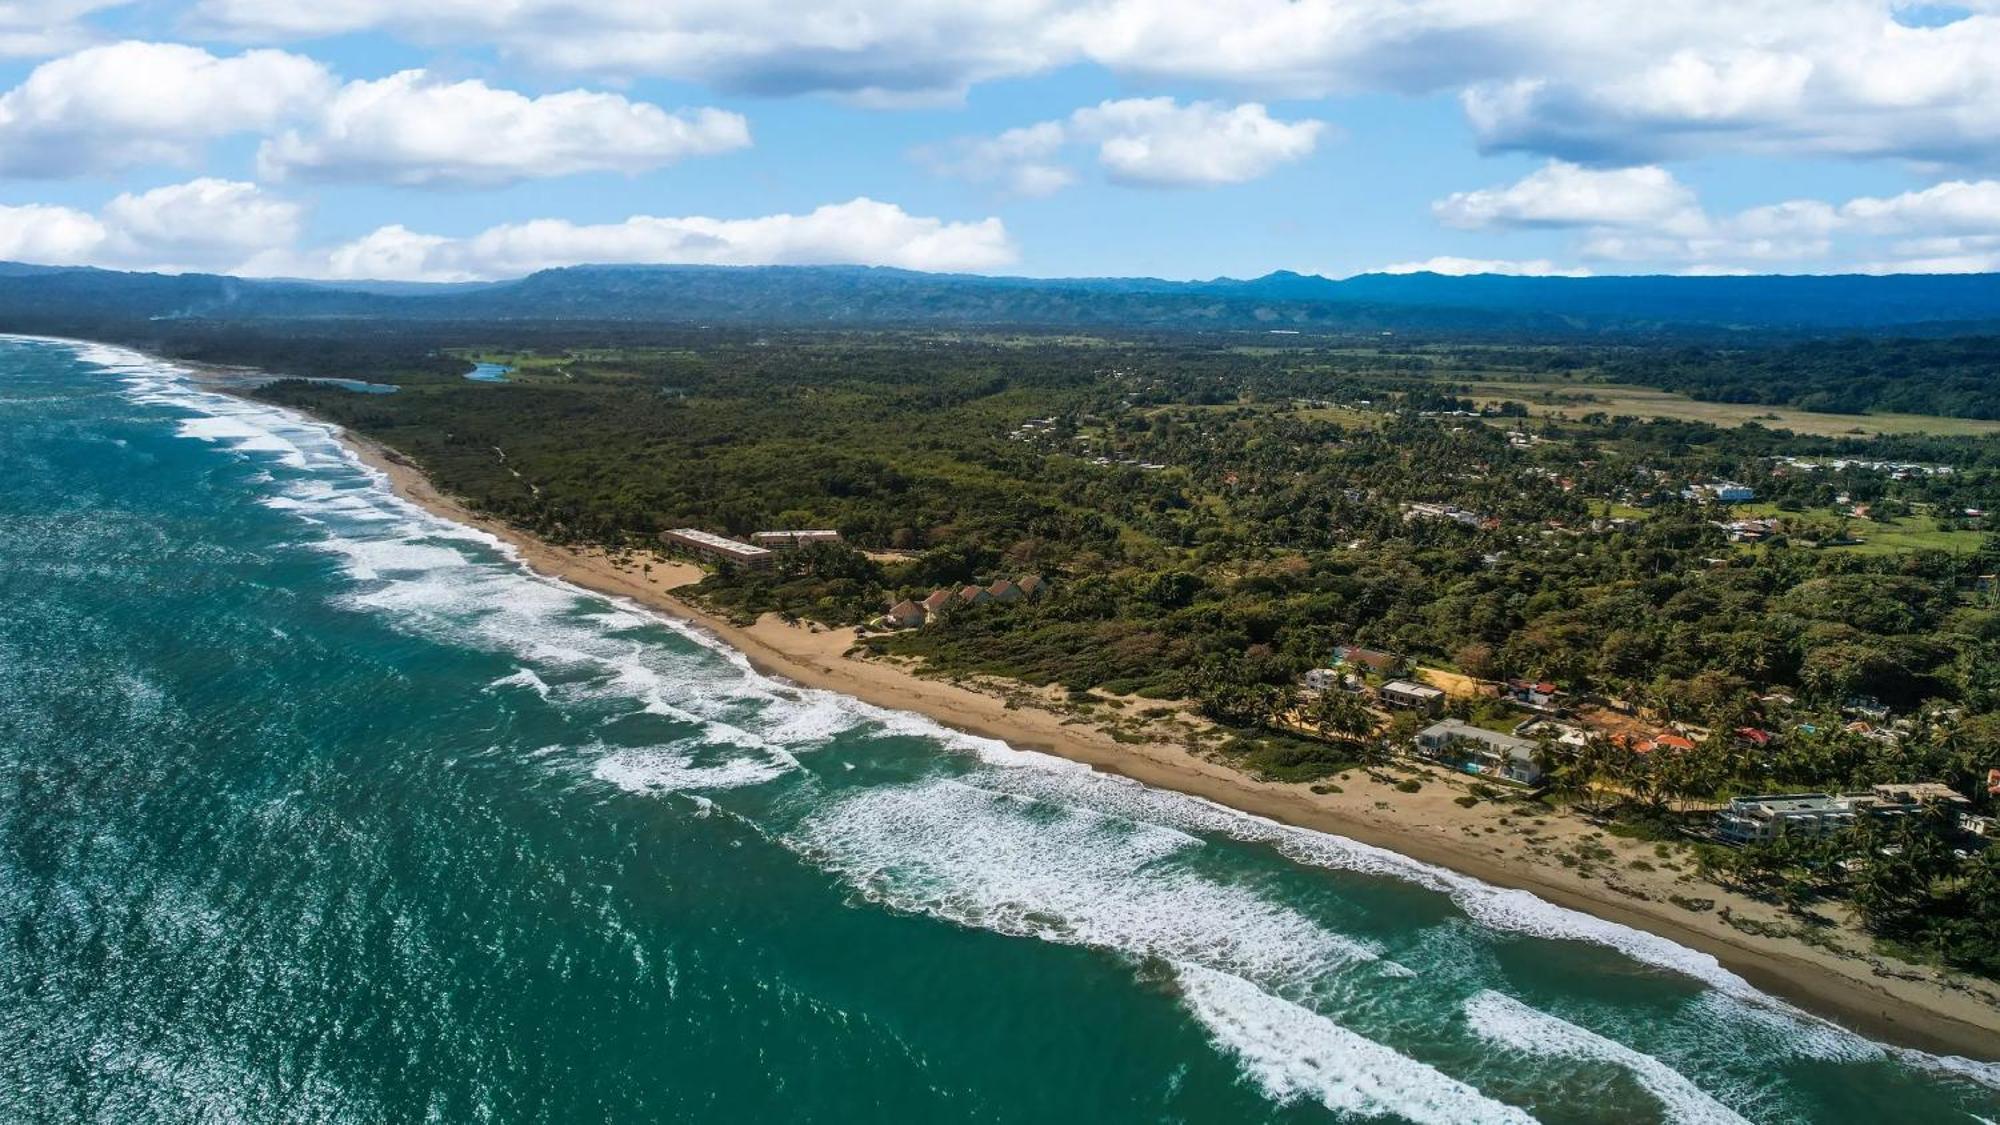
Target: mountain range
x: 39, y: 298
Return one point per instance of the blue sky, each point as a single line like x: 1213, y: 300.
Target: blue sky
x: 461, y: 139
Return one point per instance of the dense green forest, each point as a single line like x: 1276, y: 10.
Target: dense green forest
x: 1957, y: 378
x: 1213, y: 519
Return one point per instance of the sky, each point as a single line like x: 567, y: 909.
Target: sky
x: 455, y: 140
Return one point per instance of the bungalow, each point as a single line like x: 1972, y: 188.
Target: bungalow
x: 936, y: 603
x: 974, y: 595
x: 1752, y: 738
x: 1478, y: 750
x: 905, y: 614
x: 1032, y: 586
x: 1004, y: 591
x: 1411, y: 696
x: 1638, y: 744
x: 1540, y: 695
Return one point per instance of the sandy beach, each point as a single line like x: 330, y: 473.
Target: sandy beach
x: 1562, y: 859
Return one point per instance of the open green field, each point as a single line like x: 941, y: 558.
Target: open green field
x: 1578, y: 399
x: 1910, y: 533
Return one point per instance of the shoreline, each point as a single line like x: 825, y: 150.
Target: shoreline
x: 1909, y: 1009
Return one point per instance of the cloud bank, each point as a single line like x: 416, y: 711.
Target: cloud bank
x: 1646, y: 215
x: 235, y: 227
x: 1592, y: 81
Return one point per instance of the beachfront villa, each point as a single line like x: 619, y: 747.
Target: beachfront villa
x: 1750, y: 820
x: 1478, y: 750
x: 1760, y: 819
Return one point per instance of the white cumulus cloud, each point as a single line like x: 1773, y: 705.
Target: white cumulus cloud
x: 204, y: 224
x: 1156, y: 142
x: 1955, y: 206
x: 1561, y: 194
x: 128, y: 104
x: 416, y: 130
x: 45, y: 235
x: 1147, y: 142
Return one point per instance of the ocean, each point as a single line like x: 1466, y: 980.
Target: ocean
x: 319, y: 808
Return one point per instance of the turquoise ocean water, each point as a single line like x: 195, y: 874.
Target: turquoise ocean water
x: 314, y: 807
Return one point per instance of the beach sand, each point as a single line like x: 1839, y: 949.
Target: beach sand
x: 1891, y: 1001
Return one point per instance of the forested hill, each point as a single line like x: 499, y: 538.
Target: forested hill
x: 80, y: 300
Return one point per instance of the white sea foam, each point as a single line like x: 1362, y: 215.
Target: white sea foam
x: 1776, y: 1033
x: 1496, y: 908
x: 1986, y: 1074
x: 1017, y: 866
x: 664, y: 769
x: 1509, y: 1024
x: 1292, y: 1052
x: 373, y: 558
x: 526, y: 678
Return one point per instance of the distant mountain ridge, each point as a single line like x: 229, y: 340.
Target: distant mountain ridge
x: 39, y: 298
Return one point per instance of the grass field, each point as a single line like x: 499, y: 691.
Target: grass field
x: 1578, y: 399
x: 1910, y: 533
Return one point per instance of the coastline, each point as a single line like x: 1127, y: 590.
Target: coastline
x: 1907, y: 1006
